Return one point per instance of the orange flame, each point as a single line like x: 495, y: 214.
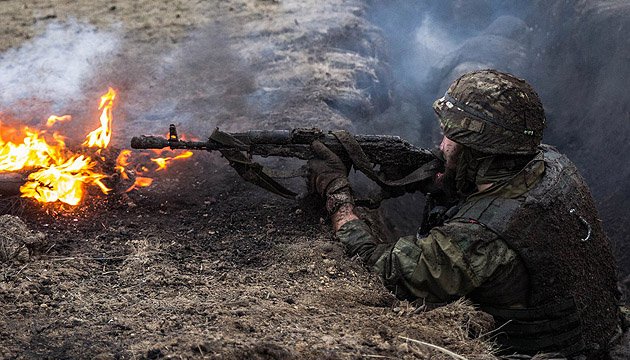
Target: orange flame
x: 161, y: 162
x: 60, y: 175
x: 57, y: 174
x: 122, y: 161
x: 63, y: 182
x: 100, y: 137
x: 140, y: 182
x: 33, y: 151
x: 53, y: 119
x: 138, y: 173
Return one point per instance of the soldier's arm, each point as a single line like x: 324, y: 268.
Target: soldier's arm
x: 438, y: 267
x: 342, y: 216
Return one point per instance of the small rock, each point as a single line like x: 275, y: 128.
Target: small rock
x: 16, y: 238
x: 328, y: 340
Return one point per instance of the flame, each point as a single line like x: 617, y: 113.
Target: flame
x: 161, y: 162
x: 53, y: 119
x: 100, y: 137
x: 139, y: 171
x: 57, y: 174
x: 33, y: 151
x: 63, y: 182
x: 122, y: 161
x: 140, y: 182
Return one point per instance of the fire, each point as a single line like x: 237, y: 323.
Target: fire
x: 100, y: 137
x: 58, y: 174
x: 122, y: 162
x: 63, y: 182
x: 161, y: 162
x: 125, y: 166
x: 53, y: 119
x: 140, y: 182
x: 32, y: 151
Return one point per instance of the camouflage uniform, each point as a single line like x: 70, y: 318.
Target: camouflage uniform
x: 571, y: 281
x: 450, y: 262
x: 530, y: 250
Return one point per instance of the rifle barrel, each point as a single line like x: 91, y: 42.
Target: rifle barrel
x: 157, y: 142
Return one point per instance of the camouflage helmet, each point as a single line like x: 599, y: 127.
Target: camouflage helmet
x: 492, y: 112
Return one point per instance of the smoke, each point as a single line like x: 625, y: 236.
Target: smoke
x: 574, y: 54
x: 199, y: 83
x: 54, y: 67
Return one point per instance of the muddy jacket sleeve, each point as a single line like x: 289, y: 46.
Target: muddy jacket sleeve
x: 450, y: 262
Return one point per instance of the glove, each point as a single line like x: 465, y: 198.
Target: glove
x: 329, y: 177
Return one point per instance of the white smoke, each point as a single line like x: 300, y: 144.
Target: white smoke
x: 55, y: 66
x: 432, y: 43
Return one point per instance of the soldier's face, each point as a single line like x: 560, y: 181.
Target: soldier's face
x: 451, y: 150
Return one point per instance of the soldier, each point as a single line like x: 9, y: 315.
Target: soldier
x: 523, y: 240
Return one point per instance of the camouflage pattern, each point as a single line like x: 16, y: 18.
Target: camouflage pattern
x: 438, y: 268
x: 452, y: 261
x: 510, y: 259
x: 492, y: 112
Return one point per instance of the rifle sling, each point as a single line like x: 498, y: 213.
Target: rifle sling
x: 257, y: 174
x: 249, y: 170
x: 362, y: 163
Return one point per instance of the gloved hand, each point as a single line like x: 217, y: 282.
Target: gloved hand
x: 329, y: 177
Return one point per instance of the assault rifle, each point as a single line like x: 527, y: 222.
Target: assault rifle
x: 393, y: 163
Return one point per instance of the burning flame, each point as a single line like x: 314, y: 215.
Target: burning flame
x: 140, y: 181
x: 100, y: 137
x: 53, y: 119
x: 59, y: 174
x: 33, y: 151
x: 161, y: 162
x: 123, y: 163
x: 63, y: 182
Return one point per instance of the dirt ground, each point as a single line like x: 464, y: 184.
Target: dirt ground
x: 202, y: 265
x: 223, y: 274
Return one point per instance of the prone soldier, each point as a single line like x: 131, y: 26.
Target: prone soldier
x: 521, y: 239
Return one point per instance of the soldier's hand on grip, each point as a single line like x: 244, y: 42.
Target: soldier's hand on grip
x: 326, y: 169
x: 329, y: 177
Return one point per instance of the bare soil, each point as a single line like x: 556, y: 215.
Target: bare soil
x: 202, y: 265
x: 229, y: 273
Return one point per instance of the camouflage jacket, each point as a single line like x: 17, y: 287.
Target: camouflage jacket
x: 451, y: 261
x: 531, y: 251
